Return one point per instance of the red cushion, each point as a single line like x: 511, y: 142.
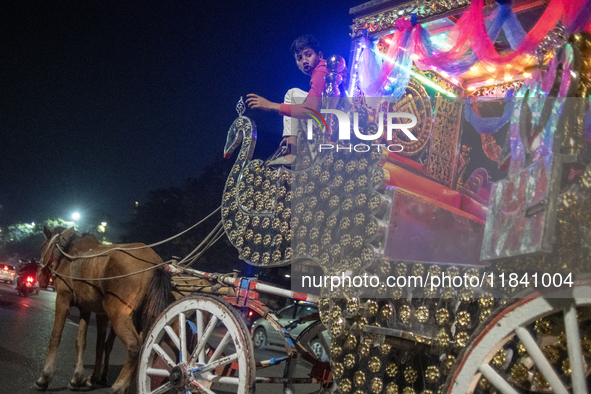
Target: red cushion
x: 404, y: 179
x: 473, y: 207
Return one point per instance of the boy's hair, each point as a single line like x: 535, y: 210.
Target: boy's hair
x: 307, y: 40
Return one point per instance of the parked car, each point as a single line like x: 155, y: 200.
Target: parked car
x: 263, y: 333
x: 7, y: 273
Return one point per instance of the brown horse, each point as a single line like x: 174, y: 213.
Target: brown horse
x: 137, y: 292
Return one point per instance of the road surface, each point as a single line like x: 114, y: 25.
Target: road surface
x: 25, y: 328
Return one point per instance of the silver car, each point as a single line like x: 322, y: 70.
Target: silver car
x: 263, y: 333
x: 7, y: 273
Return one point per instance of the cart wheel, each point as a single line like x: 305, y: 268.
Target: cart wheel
x: 537, y: 344
x: 198, y: 345
x: 313, y: 339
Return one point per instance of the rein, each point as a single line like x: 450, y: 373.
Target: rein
x: 217, y: 233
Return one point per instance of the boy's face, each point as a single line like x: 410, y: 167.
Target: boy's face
x: 307, y: 60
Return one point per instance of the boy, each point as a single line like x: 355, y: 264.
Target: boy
x: 309, y: 60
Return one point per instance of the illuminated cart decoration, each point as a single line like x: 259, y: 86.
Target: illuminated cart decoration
x: 493, y: 187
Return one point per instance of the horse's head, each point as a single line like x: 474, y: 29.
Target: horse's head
x: 51, y: 254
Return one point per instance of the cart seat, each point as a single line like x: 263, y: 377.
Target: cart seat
x: 451, y: 199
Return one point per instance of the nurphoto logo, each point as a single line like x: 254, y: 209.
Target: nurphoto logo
x: 345, y: 129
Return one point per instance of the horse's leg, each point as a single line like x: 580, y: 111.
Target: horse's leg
x: 78, y: 379
x: 122, y: 322
x: 62, y: 308
x: 101, y: 333
x: 108, y: 349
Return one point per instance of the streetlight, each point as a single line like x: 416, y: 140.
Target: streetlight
x: 76, y: 216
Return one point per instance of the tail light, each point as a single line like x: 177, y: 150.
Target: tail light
x: 29, y: 279
x: 250, y: 314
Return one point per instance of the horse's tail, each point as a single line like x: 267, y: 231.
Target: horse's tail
x: 158, y: 297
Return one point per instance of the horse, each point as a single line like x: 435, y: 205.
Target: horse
x: 123, y: 284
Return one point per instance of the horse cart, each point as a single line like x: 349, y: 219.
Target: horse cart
x: 503, y: 215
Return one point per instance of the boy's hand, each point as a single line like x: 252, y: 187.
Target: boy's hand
x: 256, y: 101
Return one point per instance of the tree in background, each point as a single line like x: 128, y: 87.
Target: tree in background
x: 167, y: 212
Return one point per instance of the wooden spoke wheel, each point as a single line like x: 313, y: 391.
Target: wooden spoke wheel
x: 198, y: 345
x: 539, y: 344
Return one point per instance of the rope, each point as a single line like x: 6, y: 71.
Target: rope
x: 112, y: 277
x: 194, y: 251
x: 139, y: 247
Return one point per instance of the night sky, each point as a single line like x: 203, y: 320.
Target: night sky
x: 102, y: 101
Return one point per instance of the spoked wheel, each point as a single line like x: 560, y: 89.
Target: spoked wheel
x: 315, y: 340
x: 198, y: 345
x: 539, y: 344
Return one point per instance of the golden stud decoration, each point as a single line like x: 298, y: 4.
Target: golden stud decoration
x: 337, y: 181
x: 484, y: 314
x: 256, y: 221
x: 345, y: 223
x: 434, y: 270
x: 466, y: 294
x: 345, y: 241
x: 562, y: 340
x: 418, y: 269
x: 521, y: 350
x: 392, y: 388
x: 359, y: 378
x: 541, y: 381
x: 410, y: 375
x: 349, y: 361
x: 462, y: 338
x: 442, y: 317
x: 276, y: 256
x: 499, y: 359
x: 361, y: 200
x: 335, y: 312
x: 463, y: 319
x: 520, y: 373
x: 432, y: 374
x: 362, y: 181
x: 349, y: 186
x: 371, y: 307
x: 335, y: 351
x: 486, y: 300
x: 276, y: 224
x: 266, y: 258
x: 324, y: 177
x: 257, y: 239
x: 352, y: 305
x: 452, y: 271
x: 543, y: 327
x: 447, y: 364
x: 442, y: 339
x: 386, y: 312
x: 391, y: 369
x: 483, y: 384
x: 374, y: 203
x: 246, y: 252
x: 338, y: 369
x: 377, y: 385
x: 255, y: 257
x: 267, y: 240
x: 404, y: 313
x: 359, y: 219
x: 288, y: 253
x: 363, y: 349
x: 384, y: 349
x: 374, y: 364
x: 345, y: 386
x: 566, y: 367
x: 551, y: 353
x: 422, y: 314
x: 447, y: 293
x: 337, y: 328
x: 351, y: 342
